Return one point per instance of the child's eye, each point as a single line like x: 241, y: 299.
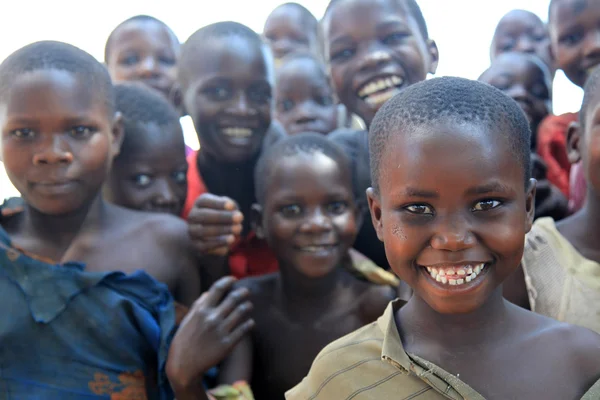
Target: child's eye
x: 571, y: 39
x: 81, y: 132
x: 337, y: 207
x: 290, y: 211
x: 218, y: 93
x: 324, y: 100
x: 130, y: 59
x: 142, y: 180
x: 24, y: 133
x: 486, y: 205
x: 419, y: 209
x: 286, y: 105
x: 342, y: 55
x: 395, y: 38
x: 180, y: 176
x: 167, y: 60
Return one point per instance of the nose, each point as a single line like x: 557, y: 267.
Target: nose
x: 306, y: 112
x: 375, y: 56
x: 148, y: 68
x: 241, y: 107
x: 53, y: 150
x: 453, y: 234
x: 164, y: 195
x: 518, y: 92
x: 281, y: 47
x: 592, y: 46
x: 316, y: 222
x: 525, y: 45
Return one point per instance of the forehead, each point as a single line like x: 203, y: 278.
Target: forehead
x: 515, y: 65
x: 283, y: 16
x: 517, y: 21
x: 565, y: 11
x: 139, y: 32
x: 423, y: 154
x: 232, y: 56
x: 153, y: 140
x: 306, y: 173
x: 53, y: 93
x: 346, y: 14
x: 302, y: 68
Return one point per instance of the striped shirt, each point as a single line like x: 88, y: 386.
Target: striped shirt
x: 371, y: 363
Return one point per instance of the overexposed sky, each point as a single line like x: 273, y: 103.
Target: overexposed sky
x: 462, y: 28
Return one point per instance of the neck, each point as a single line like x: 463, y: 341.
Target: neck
x: 60, y: 230
x: 591, y: 209
x: 297, y: 287
x: 455, y: 330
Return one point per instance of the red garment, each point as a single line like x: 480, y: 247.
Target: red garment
x: 552, y: 148
x: 249, y: 256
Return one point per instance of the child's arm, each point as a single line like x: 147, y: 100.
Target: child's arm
x: 238, y: 366
x: 217, y: 321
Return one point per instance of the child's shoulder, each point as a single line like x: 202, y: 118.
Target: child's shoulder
x: 259, y: 286
x: 349, y: 137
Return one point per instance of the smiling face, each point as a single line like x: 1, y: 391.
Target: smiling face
x: 453, y: 227
x: 303, y: 98
x: 152, y: 176
x: 308, y: 215
x: 524, y: 80
x: 144, y: 51
x: 229, y: 97
x: 58, y: 140
x: 575, y: 37
x: 374, y: 49
x: 522, y: 32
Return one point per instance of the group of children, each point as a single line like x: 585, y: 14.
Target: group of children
x: 348, y: 229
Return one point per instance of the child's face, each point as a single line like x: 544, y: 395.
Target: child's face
x: 286, y: 32
x: 303, y: 98
x: 153, y: 176
x: 467, y: 228
x: 374, y: 49
x: 229, y: 98
x: 308, y: 215
x: 58, y: 140
x: 525, y: 82
x: 575, y: 37
x: 146, y: 52
x: 521, y: 31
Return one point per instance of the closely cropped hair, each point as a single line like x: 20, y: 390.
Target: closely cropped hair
x: 303, y: 143
x: 450, y: 100
x: 50, y: 55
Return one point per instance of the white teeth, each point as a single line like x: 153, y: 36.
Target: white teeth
x: 237, y: 132
x: 455, y: 276
x: 380, y: 84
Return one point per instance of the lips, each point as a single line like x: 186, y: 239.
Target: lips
x: 456, y: 274
x: 54, y: 188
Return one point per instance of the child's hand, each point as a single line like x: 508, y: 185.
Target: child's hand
x: 214, y: 325
x: 214, y: 223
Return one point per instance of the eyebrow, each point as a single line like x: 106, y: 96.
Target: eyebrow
x: 493, y: 187
x: 421, y: 193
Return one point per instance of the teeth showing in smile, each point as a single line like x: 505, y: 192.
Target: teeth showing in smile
x: 458, y: 275
x: 380, y: 90
x: 237, y: 132
x: 316, y: 249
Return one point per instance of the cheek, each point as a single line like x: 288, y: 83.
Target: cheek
x: 402, y: 241
x: 337, y: 79
x: 591, y: 159
x: 95, y: 154
x: 346, y: 227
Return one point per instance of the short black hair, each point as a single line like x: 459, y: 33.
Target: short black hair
x: 310, y: 20
x: 302, y: 143
x: 51, y: 55
x: 591, y: 90
x: 194, y: 45
x: 413, y: 9
x: 141, y: 105
x: 449, y: 99
x: 140, y: 18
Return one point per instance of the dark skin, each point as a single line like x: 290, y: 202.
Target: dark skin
x: 575, y: 37
x: 58, y: 142
x: 479, y: 213
x: 308, y: 218
x: 287, y: 31
x: 152, y: 176
x: 228, y: 96
x: 146, y: 52
x: 522, y: 32
x: 303, y: 98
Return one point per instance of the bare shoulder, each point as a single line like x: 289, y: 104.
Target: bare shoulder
x: 375, y: 300
x: 260, y: 287
x: 345, y: 136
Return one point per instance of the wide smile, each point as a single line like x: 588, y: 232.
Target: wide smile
x: 238, y: 135
x: 318, y: 250
x: 380, y: 89
x: 457, y: 277
x: 51, y: 188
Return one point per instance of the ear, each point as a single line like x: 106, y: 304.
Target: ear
x: 530, y: 204
x: 118, y: 133
x: 375, y: 209
x: 434, y: 55
x: 574, y: 142
x: 256, y: 214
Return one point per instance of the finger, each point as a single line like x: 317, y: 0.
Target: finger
x: 215, y: 294
x: 206, y: 231
x: 239, y: 332
x: 209, y: 200
x: 221, y: 251
x: 212, y: 244
x: 208, y: 216
x: 232, y: 300
x: 239, y: 314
